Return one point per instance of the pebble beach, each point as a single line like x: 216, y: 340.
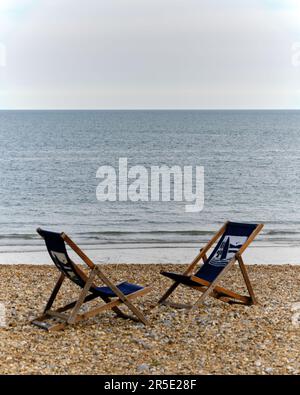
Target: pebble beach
x: 216, y: 339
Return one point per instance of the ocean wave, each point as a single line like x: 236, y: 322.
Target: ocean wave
x: 138, y: 237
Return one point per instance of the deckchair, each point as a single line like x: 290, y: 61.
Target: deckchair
x: 231, y: 241
x: 122, y: 293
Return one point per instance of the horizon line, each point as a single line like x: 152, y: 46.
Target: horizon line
x: 150, y: 109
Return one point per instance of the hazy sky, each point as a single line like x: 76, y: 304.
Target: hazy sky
x: 149, y: 54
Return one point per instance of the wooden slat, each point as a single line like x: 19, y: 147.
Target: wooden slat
x: 56, y: 314
x: 72, y: 304
x: 250, y: 238
x: 169, y: 292
x: 204, y: 258
x: 48, y: 326
x: 112, y: 304
x: 57, y: 327
x: 82, y: 296
x: 55, y: 291
x: 220, y: 290
x: 122, y: 297
x: 80, y: 317
x: 246, y: 279
x: 177, y: 305
x: 117, y: 310
x: 205, y: 249
x: 213, y: 284
x: 41, y: 324
x: 78, y: 251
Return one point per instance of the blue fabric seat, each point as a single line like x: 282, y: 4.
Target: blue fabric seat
x: 125, y: 288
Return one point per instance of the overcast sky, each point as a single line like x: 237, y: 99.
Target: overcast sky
x: 149, y: 54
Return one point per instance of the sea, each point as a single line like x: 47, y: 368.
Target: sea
x: 49, y: 162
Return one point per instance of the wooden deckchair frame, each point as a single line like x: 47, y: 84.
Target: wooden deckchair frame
x: 211, y: 288
x: 85, y: 297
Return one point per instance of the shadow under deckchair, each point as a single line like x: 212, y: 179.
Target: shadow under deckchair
x: 233, y: 238
x: 121, y: 294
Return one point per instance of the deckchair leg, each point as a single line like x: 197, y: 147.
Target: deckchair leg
x: 55, y: 292
x: 41, y: 320
x: 213, y: 284
x: 122, y: 297
x: 116, y: 309
x: 246, y: 279
x: 83, y: 294
x: 110, y: 305
x: 201, y: 299
x: 169, y: 292
x: 202, y: 255
x: 121, y: 314
x: 136, y: 311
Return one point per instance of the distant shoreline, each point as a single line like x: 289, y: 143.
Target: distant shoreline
x: 152, y: 254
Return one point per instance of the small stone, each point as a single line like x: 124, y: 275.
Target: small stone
x: 167, y: 322
x: 143, y: 344
x: 141, y: 368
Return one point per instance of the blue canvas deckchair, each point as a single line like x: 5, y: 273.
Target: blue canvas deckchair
x: 113, y: 295
x: 232, y: 240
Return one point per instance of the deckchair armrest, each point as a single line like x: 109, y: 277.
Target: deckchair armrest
x: 200, y: 281
x: 204, y: 257
x: 238, y: 256
x: 78, y: 251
